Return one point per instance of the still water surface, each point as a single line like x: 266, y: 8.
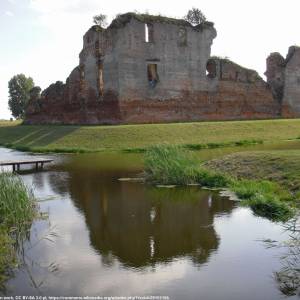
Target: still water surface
x: 108, y: 237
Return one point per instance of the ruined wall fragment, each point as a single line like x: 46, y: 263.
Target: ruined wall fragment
x: 275, y: 75
x: 283, y: 77
x: 291, y: 96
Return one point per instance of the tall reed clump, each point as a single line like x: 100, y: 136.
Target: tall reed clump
x: 17, y: 203
x: 172, y: 165
x: 17, y: 210
x: 168, y: 165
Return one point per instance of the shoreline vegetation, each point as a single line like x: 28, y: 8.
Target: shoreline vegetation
x: 138, y: 138
x: 172, y: 165
x: 18, y: 209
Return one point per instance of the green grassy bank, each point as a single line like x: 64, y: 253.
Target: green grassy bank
x: 138, y: 137
x: 17, y: 210
x: 171, y: 165
x: 282, y: 167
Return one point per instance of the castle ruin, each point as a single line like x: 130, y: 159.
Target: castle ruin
x: 151, y: 69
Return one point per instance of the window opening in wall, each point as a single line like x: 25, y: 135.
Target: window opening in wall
x: 152, y: 75
x: 100, y: 78
x: 146, y: 34
x: 211, y: 69
x: 81, y: 67
x: 149, y: 33
x: 182, y: 36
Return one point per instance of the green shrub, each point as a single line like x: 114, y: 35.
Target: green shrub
x: 134, y: 150
x: 247, y: 142
x: 169, y: 165
x: 269, y: 207
x: 210, y: 179
x: 267, y: 199
x: 7, y: 255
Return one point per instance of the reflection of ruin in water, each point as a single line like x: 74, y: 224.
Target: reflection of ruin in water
x: 141, y: 225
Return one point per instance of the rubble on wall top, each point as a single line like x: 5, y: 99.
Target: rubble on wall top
x: 97, y: 28
x: 123, y: 19
x: 228, y: 61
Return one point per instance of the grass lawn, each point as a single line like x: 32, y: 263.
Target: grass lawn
x: 97, y: 138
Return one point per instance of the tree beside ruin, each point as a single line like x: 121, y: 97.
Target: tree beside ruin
x: 19, y: 88
x: 195, y: 16
x: 100, y: 20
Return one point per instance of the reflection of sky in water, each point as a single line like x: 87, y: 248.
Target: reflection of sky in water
x: 192, y: 244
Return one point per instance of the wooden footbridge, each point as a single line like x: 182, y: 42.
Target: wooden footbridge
x: 16, y: 164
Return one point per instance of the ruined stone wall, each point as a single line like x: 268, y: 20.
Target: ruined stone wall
x: 180, y: 54
x: 283, y: 77
x: 238, y: 94
x: 111, y: 85
x: 291, y: 95
x: 275, y: 74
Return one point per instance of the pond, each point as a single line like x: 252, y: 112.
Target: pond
x: 106, y: 237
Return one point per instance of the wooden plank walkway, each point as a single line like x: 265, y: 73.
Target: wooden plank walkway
x: 17, y: 163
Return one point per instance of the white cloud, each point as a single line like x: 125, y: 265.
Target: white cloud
x: 9, y: 13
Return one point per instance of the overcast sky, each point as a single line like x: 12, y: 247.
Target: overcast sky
x: 42, y: 38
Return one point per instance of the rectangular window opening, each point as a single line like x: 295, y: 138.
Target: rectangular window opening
x: 100, y: 79
x: 149, y: 33
x: 146, y: 34
x: 152, y: 75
